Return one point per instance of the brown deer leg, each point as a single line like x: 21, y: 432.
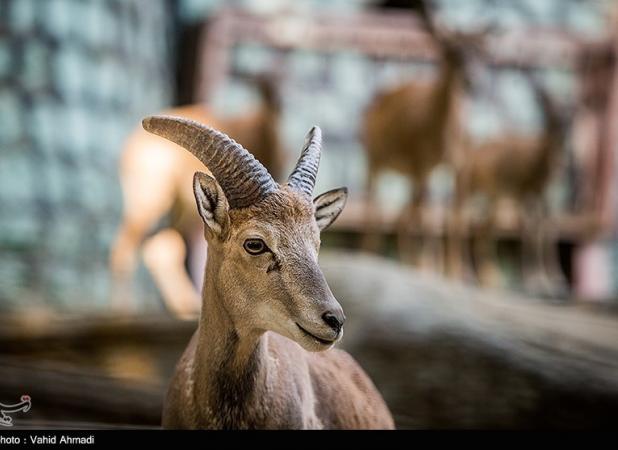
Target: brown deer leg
x: 486, y: 255
x: 458, y: 259
x: 164, y: 256
x: 551, y: 260
x: 530, y: 258
x: 410, y: 219
x: 123, y: 261
x: 371, y: 238
x: 145, y: 202
x: 540, y: 266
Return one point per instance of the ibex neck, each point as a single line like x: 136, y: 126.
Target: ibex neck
x: 230, y: 369
x: 445, y: 89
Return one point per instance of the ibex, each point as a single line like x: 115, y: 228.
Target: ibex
x: 407, y: 129
x: 156, y: 179
x: 519, y: 167
x: 266, y: 306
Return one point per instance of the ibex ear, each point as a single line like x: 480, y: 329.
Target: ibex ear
x: 211, y: 204
x: 329, y: 205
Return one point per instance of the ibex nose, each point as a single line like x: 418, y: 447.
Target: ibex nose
x: 334, y: 319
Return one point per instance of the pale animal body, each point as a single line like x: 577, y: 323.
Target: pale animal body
x: 156, y: 182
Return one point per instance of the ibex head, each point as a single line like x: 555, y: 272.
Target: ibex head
x: 460, y: 50
x: 263, y: 238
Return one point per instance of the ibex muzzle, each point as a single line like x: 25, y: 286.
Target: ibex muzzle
x: 263, y: 237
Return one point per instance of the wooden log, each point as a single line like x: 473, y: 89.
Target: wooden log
x: 447, y: 355
x: 74, y: 395
x: 442, y: 354
x: 94, y: 372
x: 24, y: 331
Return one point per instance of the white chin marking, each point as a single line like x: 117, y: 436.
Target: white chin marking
x: 313, y: 345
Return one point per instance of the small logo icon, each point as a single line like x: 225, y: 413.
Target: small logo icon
x: 23, y: 406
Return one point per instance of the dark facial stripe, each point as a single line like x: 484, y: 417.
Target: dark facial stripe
x: 275, y: 265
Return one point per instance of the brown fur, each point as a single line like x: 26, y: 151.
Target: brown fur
x: 239, y: 371
x: 339, y: 394
x: 407, y: 129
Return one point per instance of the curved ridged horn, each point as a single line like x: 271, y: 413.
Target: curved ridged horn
x: 244, y: 179
x: 304, y: 174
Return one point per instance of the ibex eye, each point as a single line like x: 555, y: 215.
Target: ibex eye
x: 255, y: 246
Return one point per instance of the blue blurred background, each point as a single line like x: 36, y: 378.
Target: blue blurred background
x: 76, y: 76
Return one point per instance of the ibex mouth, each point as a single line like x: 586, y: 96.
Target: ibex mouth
x: 320, y: 340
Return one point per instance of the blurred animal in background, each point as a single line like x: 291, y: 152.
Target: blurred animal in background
x: 409, y: 129
x: 263, y: 285
x: 518, y: 167
x: 156, y: 185
x: 596, y: 72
